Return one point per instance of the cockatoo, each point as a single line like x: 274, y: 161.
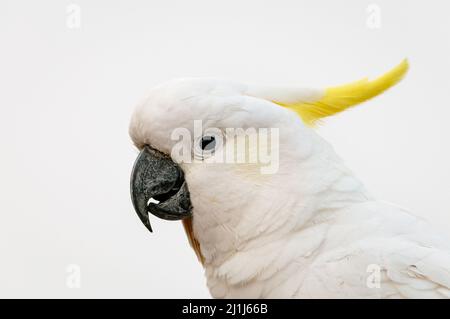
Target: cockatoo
x: 309, y: 229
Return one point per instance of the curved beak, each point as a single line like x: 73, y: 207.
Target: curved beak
x: 158, y: 186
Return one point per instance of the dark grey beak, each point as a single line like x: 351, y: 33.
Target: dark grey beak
x: 155, y: 176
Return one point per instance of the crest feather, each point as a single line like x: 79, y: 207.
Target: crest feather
x: 339, y: 98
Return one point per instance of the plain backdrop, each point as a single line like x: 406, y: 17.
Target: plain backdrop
x: 67, y: 93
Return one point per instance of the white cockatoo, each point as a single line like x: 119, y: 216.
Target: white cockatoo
x: 305, y: 229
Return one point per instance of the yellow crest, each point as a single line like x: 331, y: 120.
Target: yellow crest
x: 339, y: 98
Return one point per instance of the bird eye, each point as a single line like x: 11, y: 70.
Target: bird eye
x: 208, y: 143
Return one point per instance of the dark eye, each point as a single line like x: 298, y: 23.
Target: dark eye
x: 208, y: 143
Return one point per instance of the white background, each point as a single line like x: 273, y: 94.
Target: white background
x: 66, y: 96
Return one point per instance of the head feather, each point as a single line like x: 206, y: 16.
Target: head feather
x: 312, y: 106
